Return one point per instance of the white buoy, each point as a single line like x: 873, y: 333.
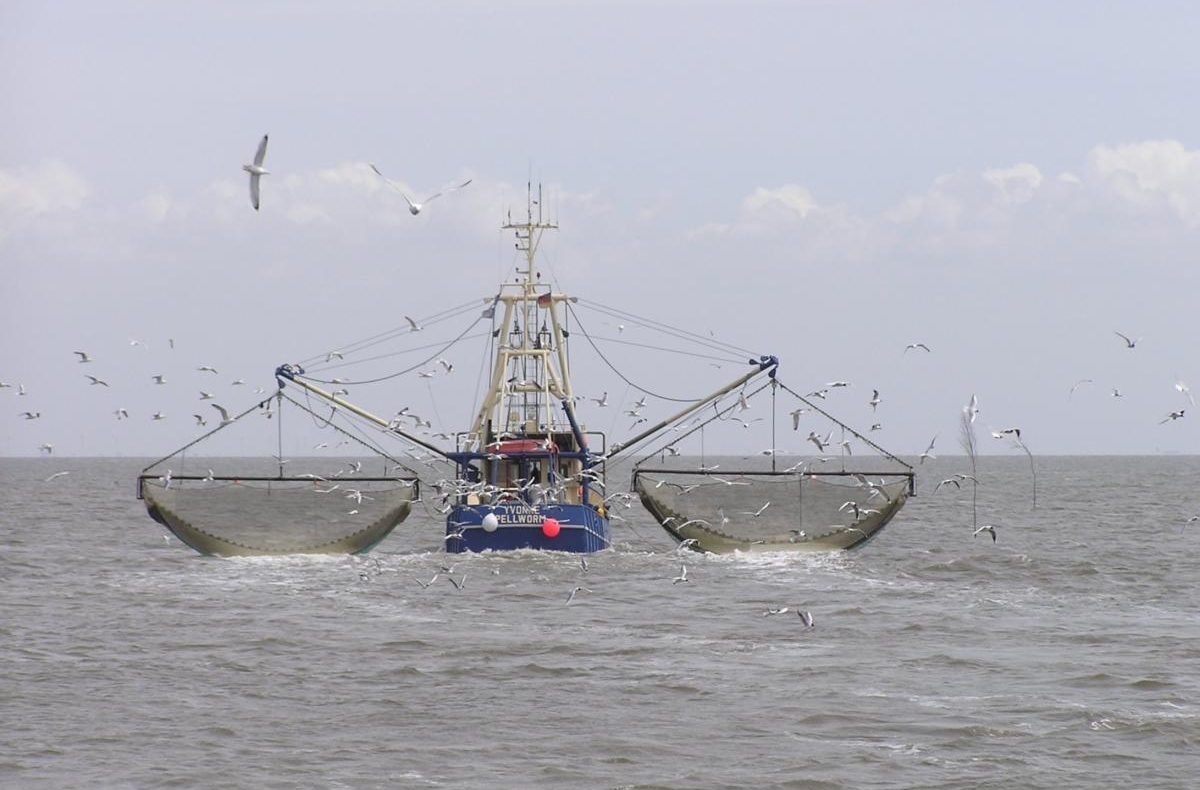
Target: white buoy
x: 490, y: 522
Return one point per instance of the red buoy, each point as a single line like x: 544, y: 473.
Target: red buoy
x: 550, y: 527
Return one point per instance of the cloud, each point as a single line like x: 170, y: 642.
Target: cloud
x: 783, y: 209
x: 1119, y: 185
x: 49, y: 186
x: 358, y: 174
x: 304, y: 214
x: 1016, y: 184
x: 1150, y: 174
x: 789, y: 197
x: 156, y: 206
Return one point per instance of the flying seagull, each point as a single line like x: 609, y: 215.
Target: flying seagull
x: 415, y: 326
x: 757, y: 513
x: 575, y: 592
x: 911, y: 346
x: 928, y: 451
x: 225, y: 420
x: 1128, y: 343
x: 83, y: 357
x: 1077, y: 385
x: 682, y: 577
x: 255, y: 170
x: 96, y: 380
x: 1179, y: 385
x: 413, y: 207
x: 988, y: 528
x: 1175, y: 415
x: 972, y: 408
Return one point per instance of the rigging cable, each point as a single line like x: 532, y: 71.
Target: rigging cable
x: 423, y: 362
x: 844, y: 426
x: 613, y: 367
x: 682, y: 334
x: 367, y: 342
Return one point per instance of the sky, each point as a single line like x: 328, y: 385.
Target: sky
x: 1011, y: 184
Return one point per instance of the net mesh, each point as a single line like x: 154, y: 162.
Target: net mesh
x: 771, y: 511
x: 234, y: 516
x: 294, y: 502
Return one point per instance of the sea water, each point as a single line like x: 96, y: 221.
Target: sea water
x: 1064, y: 654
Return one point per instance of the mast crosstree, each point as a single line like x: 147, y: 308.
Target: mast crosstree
x: 532, y: 371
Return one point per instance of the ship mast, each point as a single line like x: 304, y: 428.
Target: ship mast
x: 531, y: 374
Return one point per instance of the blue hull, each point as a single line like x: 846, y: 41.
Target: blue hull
x: 520, y: 526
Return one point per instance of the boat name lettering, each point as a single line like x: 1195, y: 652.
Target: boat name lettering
x: 519, y: 515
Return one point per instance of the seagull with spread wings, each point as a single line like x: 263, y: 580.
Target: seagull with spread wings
x: 414, y: 207
x: 1129, y: 343
x: 1185, y: 389
x: 256, y: 170
x: 988, y: 528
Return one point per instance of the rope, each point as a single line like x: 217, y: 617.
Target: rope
x: 377, y: 357
x: 844, y: 426
x: 423, y: 362
x: 613, y: 368
x: 201, y: 438
x: 710, y: 342
x: 362, y: 441
x: 729, y: 360
x: 358, y: 345
x: 697, y: 427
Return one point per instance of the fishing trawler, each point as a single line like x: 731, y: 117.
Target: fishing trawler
x: 527, y: 474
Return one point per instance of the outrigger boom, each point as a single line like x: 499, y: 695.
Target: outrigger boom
x: 293, y: 372
x: 764, y: 363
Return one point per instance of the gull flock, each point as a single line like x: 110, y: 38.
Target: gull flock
x: 255, y: 169
x: 100, y: 380
x: 206, y: 375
